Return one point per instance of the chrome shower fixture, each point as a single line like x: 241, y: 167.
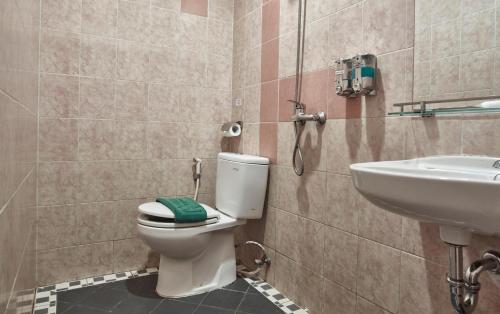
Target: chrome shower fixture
x: 300, y: 117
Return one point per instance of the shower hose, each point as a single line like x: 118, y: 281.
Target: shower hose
x: 298, y: 158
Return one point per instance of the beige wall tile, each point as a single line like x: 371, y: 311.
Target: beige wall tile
x: 285, y: 283
x: 132, y: 61
x: 220, y: 37
x: 167, y: 4
x: 423, y: 239
x: 192, y: 32
x: 479, y: 136
x: 340, y: 45
x: 74, y: 262
x: 163, y: 65
x: 478, y: 31
x: 379, y: 265
x: 439, y: 136
x: 219, y: 72
x: 476, y: 72
x: 221, y: 10
x: 131, y: 100
x: 133, y: 21
x: 59, y: 52
x: 164, y: 24
x: 98, y: 57
x: 125, y: 218
x: 384, y: 25
x: 340, y: 258
x: 163, y: 103
x: 191, y: 68
x: 337, y: 299
x: 423, y: 289
x: 99, y: 17
x: 97, y: 98
x: 132, y: 254
x: 58, y: 139
x: 286, y: 235
x: 445, y: 39
x: 310, y: 244
x: 95, y: 139
x: 96, y: 179
x: 58, y: 96
x: 129, y: 141
x: 380, y: 225
x: 343, y: 203
x: 162, y: 140
x: 58, y: 183
x: 62, y: 14
x: 364, y: 306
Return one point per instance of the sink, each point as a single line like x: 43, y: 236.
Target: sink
x: 460, y: 193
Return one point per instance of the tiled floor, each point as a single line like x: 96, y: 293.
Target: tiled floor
x: 137, y: 295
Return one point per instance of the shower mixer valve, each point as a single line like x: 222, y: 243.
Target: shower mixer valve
x: 302, y: 117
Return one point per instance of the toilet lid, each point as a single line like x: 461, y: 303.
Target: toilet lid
x: 156, y: 209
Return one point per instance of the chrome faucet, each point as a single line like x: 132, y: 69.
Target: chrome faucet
x: 302, y: 117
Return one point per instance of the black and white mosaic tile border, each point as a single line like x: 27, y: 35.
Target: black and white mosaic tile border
x: 46, y: 297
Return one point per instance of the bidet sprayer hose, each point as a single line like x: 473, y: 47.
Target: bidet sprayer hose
x: 298, y: 165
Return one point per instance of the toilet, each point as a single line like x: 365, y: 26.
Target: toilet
x: 200, y: 257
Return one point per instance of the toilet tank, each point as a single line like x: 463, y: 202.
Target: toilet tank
x: 241, y: 185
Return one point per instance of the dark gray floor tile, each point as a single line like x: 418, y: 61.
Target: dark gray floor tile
x: 258, y: 304
x: 61, y: 307
x: 136, y: 304
x: 252, y: 290
x: 80, y: 309
x: 194, y: 298
x: 105, y: 299
x: 224, y: 299
x: 76, y: 295
x: 211, y: 310
x: 238, y: 285
x: 175, y: 307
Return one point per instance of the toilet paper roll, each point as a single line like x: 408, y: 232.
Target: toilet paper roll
x: 231, y: 129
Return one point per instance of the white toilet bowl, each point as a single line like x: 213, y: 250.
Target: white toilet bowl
x: 194, y: 257
x: 200, y: 257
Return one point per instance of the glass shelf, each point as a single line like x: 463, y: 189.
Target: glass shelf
x: 445, y: 111
x: 422, y: 109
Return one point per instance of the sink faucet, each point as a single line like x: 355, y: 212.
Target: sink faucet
x: 496, y: 164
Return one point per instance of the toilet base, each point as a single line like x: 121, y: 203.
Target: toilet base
x: 214, y: 268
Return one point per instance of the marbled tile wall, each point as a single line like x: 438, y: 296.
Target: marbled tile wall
x: 449, y: 40
x: 332, y: 251
x: 19, y: 29
x: 130, y: 92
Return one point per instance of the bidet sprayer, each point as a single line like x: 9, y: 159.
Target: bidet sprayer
x: 197, y: 168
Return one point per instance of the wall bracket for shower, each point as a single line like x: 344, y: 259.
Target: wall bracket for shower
x: 356, y: 76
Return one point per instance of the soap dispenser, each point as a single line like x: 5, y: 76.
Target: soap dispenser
x: 343, y: 75
x: 364, y: 74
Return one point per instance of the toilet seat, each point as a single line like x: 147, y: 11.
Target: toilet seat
x: 157, y: 215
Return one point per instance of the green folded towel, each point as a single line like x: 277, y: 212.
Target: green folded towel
x: 185, y: 209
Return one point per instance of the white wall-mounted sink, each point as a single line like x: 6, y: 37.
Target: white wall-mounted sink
x: 460, y: 193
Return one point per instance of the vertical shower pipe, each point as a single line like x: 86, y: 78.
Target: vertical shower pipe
x: 299, y: 125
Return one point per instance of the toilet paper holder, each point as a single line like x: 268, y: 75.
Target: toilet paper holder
x: 232, y: 129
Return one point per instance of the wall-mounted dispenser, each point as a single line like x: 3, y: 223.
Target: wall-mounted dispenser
x: 363, y: 74
x: 356, y: 76
x: 343, y: 74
